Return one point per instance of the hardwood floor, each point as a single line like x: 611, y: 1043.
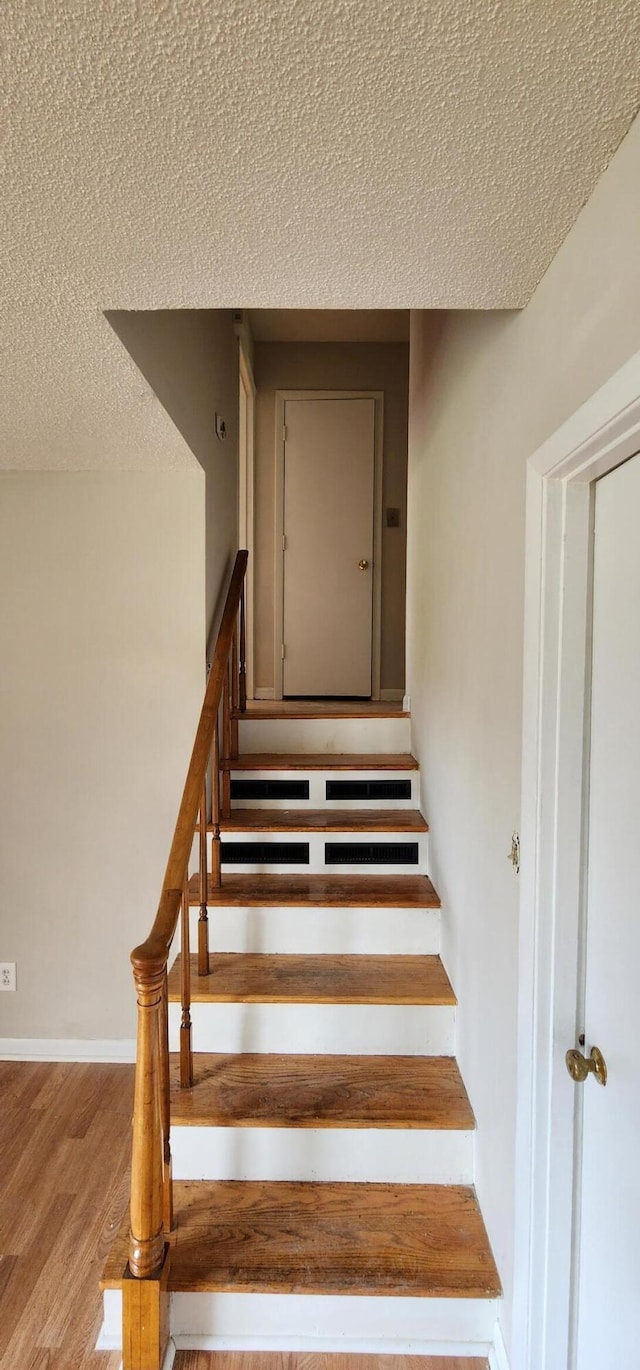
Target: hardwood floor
x: 65, y: 1135
x: 307, y: 1360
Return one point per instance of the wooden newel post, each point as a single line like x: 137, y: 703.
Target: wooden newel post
x: 165, y: 1107
x: 146, y: 1240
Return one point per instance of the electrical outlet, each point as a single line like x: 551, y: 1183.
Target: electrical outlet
x: 7, y: 975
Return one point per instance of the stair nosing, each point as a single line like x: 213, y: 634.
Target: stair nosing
x: 323, y: 821
x: 321, y: 761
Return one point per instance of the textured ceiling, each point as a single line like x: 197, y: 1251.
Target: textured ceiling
x: 329, y: 325
x: 280, y: 153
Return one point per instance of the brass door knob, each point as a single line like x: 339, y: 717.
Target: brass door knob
x: 580, y: 1066
x: 363, y: 565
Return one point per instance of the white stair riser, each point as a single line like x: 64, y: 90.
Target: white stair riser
x: 316, y: 864
x: 323, y: 1029
x: 382, y: 1155
x: 318, y: 794
x: 341, y: 931
x: 382, y: 735
x: 320, y: 1322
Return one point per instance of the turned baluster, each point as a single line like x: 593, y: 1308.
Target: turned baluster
x: 165, y: 1106
x: 216, y: 849
x: 242, y: 681
x: 186, y: 1055
x: 235, y: 690
x: 146, y: 1239
x: 226, y: 746
x: 203, y: 920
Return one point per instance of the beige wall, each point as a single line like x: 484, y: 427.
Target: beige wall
x: 101, y: 645
x: 481, y: 400
x: 333, y: 366
x: 190, y: 359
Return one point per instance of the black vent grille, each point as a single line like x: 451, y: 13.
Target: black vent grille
x: 269, y: 789
x: 368, y: 789
x: 265, y: 853
x: 371, y: 853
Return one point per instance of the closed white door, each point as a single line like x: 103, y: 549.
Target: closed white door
x: 329, y: 461
x: 608, y: 1254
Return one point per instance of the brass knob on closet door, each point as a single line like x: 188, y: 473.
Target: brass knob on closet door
x: 363, y: 565
x: 580, y: 1066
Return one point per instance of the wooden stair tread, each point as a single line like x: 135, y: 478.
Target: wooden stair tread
x: 321, y: 708
x: 328, y: 891
x: 308, y: 1238
x: 322, y: 761
x: 255, y: 977
x: 322, y: 1091
x: 324, y: 820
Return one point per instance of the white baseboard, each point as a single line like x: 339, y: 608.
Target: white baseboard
x: 114, y: 1051
x: 406, y: 704
x: 264, y: 692
x: 498, y: 1359
x: 391, y: 696
x: 359, y: 1346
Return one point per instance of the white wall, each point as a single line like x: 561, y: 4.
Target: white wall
x: 483, y: 396
x: 101, y: 678
x: 190, y: 359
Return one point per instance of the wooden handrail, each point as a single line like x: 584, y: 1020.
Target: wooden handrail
x: 151, y: 1183
x: 158, y: 943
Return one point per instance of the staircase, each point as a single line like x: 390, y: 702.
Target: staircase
x: 323, y: 1158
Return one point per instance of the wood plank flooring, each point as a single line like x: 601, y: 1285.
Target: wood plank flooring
x: 65, y: 1138
x: 324, y: 820
x: 257, y: 978
x: 424, y: 1241
x: 322, y: 761
x: 322, y: 1091
x: 316, y: 891
x: 308, y: 1360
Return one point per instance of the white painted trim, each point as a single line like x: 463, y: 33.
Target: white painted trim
x: 391, y: 696
x: 246, y: 518
x: 111, y: 1050
x: 278, y: 580
x: 336, y: 1322
x: 264, y: 692
x: 498, y: 1358
x: 603, y: 433
x: 349, y: 1346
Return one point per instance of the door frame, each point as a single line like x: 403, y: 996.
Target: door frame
x: 604, y: 432
x: 376, y: 627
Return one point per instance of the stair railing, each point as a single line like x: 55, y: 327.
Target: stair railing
x: 215, y: 746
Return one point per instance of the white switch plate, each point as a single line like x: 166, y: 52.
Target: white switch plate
x: 7, y: 975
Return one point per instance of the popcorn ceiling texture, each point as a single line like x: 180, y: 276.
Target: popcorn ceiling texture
x: 290, y: 153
